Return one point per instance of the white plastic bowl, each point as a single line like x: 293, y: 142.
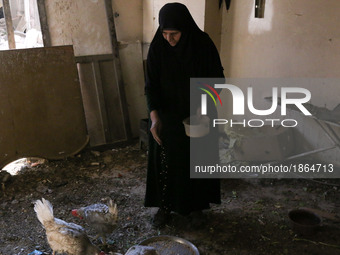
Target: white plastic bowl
x: 196, y: 126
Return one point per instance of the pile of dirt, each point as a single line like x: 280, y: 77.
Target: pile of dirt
x: 252, y: 219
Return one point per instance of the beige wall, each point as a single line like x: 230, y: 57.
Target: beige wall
x: 129, y: 22
x: 83, y: 24
x: 297, y: 38
x: 213, y: 21
x: 80, y: 23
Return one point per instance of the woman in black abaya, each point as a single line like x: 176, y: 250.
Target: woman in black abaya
x: 179, y: 51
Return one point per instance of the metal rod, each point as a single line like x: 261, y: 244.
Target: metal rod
x: 336, y: 143
x: 304, y: 154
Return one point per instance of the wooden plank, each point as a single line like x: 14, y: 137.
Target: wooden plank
x: 102, y: 102
x: 117, y: 67
x: 113, y: 102
x: 91, y: 58
x: 101, y: 99
x: 131, y: 57
x: 43, y: 23
x: 9, y: 24
x: 41, y: 105
x: 91, y: 104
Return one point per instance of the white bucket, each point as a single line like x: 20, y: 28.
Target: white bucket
x: 196, y: 126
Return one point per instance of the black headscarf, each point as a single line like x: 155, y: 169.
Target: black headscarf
x: 176, y: 16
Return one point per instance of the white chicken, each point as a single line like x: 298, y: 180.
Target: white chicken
x: 63, y: 236
x: 102, y: 218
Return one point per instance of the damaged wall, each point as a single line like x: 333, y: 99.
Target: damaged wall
x: 84, y: 25
x: 297, y: 38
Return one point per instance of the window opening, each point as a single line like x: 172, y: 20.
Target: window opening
x: 19, y: 25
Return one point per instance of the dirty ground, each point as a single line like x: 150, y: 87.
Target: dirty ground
x: 252, y: 218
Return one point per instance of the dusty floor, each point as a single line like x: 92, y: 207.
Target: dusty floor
x: 252, y: 218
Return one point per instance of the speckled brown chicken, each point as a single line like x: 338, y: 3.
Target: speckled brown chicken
x: 102, y: 218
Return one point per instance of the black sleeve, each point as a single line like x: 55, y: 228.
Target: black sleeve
x: 152, y: 83
x: 213, y: 65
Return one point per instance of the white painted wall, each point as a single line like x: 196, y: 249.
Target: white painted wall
x: 296, y: 38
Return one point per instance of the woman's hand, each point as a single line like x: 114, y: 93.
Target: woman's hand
x: 156, y: 126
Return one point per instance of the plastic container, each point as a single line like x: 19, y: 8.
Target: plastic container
x: 196, y: 126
